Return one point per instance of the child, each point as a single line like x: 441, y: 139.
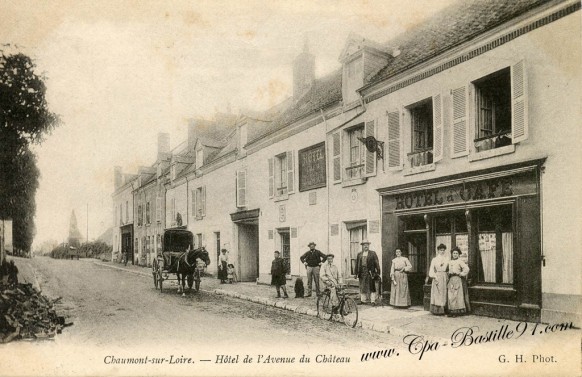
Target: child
x: 231, y: 273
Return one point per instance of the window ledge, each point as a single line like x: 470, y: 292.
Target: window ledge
x: 281, y: 198
x: 492, y: 153
x: 354, y: 182
x: 419, y: 169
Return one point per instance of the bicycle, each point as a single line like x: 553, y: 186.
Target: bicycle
x: 347, y: 307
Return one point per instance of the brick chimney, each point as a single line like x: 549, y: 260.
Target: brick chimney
x: 163, y: 145
x: 303, y: 72
x: 117, y: 177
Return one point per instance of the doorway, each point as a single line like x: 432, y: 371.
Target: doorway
x: 248, y: 248
x: 415, y: 246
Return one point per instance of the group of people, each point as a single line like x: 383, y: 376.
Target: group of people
x: 449, y: 293
x: 226, y: 271
x: 8, y: 273
x: 320, y: 266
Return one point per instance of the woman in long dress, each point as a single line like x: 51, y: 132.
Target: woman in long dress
x: 457, y: 296
x: 438, y: 272
x: 399, y: 294
x: 222, y: 267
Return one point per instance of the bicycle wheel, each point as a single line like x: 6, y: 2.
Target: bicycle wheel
x: 349, y: 312
x: 324, y: 306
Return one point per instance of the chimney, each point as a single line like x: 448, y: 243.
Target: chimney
x: 191, y: 135
x: 163, y: 145
x: 117, y: 177
x: 303, y: 72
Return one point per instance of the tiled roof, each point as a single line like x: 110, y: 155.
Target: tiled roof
x: 450, y: 27
x: 324, y: 92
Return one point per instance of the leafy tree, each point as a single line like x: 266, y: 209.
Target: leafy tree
x: 24, y: 120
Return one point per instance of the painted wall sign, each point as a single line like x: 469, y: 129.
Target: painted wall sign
x: 312, y: 169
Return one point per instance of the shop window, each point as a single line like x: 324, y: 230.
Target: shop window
x: 451, y: 230
x: 495, y: 244
x: 493, y: 111
x: 358, y: 232
x: 421, y: 120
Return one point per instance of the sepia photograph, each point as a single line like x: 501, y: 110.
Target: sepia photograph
x: 290, y: 188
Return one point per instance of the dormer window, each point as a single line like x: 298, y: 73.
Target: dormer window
x: 173, y: 172
x: 199, y: 158
x: 353, y: 79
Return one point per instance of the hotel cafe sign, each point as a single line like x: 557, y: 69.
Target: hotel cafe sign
x: 464, y: 192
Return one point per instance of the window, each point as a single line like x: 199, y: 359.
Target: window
x: 126, y: 211
x: 495, y: 243
x: 120, y: 214
x: 241, y: 188
x: 199, y: 240
x: 199, y: 158
x: 451, y: 230
x: 173, y: 213
x: 281, y: 175
x: 421, y: 121
x: 285, y: 245
x: 199, y: 202
x: 173, y: 172
x: 357, y: 153
x: 148, y: 213
x: 158, y: 243
x: 159, y: 209
x: 493, y: 110
x: 139, y: 215
x: 358, y: 232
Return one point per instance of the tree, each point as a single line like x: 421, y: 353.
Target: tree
x: 24, y: 120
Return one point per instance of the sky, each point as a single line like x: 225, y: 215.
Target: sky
x: 120, y: 72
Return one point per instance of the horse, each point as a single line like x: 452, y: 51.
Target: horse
x: 187, y: 265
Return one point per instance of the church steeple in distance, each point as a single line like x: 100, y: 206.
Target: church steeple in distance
x: 74, y: 233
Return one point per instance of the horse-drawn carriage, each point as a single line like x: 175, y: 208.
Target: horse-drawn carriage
x: 180, y: 258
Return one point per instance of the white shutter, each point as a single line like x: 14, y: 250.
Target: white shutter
x: 519, y: 113
x: 437, y: 123
x: 271, y: 178
x: 159, y: 209
x: 394, y: 143
x: 203, y: 201
x: 336, y: 158
x: 370, y: 130
x: 290, y: 173
x: 195, y: 204
x: 460, y: 144
x: 241, y: 187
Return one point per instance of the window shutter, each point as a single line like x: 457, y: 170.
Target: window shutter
x: 519, y: 113
x: 241, y: 187
x: 159, y: 209
x: 437, y: 123
x: 194, y: 204
x: 370, y: 130
x: 271, y: 178
x: 203, y: 201
x: 336, y: 158
x: 460, y: 145
x: 394, y: 144
x: 290, y: 173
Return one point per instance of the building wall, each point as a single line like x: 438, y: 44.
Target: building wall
x: 120, y: 198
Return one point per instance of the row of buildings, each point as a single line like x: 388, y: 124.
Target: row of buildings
x: 461, y: 131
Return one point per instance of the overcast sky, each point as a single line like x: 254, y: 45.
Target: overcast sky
x: 119, y: 72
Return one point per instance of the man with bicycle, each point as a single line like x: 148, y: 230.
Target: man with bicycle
x: 331, y: 278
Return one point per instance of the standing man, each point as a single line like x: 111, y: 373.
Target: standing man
x: 331, y: 278
x: 367, y: 269
x: 278, y: 271
x: 312, y: 260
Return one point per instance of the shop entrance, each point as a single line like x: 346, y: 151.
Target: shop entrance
x: 415, y: 245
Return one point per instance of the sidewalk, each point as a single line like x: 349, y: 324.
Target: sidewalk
x: 386, y: 319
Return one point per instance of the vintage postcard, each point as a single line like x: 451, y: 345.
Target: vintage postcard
x: 306, y: 188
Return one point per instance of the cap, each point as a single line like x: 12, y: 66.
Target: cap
x: 365, y: 242
x: 311, y: 243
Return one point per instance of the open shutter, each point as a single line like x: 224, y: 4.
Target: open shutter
x: 290, y: 173
x: 271, y: 178
x: 159, y: 209
x: 519, y: 115
x: 460, y: 137
x: 241, y: 188
x: 437, y: 124
x: 336, y: 158
x: 203, y: 201
x: 394, y: 144
x: 195, y: 204
x: 370, y: 130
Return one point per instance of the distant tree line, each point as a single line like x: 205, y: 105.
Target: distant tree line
x: 96, y: 249
x: 24, y: 120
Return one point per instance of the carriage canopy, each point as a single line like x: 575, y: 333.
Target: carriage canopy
x: 177, y: 240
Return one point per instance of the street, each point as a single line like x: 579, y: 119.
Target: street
x: 123, y: 326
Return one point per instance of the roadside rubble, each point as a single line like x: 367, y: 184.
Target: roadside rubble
x: 26, y: 314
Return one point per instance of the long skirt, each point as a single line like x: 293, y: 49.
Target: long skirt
x: 438, y: 293
x: 222, y: 272
x: 458, y: 298
x: 400, y: 296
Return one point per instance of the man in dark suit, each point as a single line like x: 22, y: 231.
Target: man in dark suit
x: 367, y: 271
